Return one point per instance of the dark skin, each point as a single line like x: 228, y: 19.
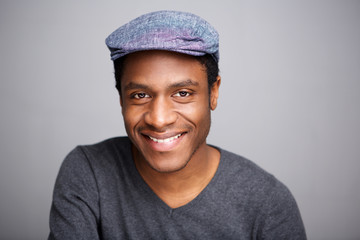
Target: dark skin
x: 166, y: 108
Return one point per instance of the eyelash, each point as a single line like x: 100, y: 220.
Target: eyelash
x: 143, y: 95
x: 179, y: 94
x: 136, y: 95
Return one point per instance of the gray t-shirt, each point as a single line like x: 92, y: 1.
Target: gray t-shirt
x: 99, y: 194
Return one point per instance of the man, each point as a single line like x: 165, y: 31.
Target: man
x: 163, y: 181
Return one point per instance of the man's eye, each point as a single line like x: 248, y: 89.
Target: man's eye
x: 140, y: 95
x: 182, y: 94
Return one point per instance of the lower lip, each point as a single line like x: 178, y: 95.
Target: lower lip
x: 164, y: 146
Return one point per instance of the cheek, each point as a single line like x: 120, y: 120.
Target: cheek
x: 196, y: 112
x: 131, y: 116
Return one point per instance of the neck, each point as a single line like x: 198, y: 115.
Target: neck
x: 180, y: 187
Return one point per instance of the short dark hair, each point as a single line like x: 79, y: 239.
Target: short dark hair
x: 211, y: 66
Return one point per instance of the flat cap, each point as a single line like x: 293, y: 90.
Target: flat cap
x: 165, y: 30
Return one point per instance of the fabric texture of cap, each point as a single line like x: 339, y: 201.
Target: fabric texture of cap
x: 165, y: 30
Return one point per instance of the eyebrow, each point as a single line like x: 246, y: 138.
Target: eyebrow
x: 132, y: 86
x: 186, y: 83
x: 181, y: 84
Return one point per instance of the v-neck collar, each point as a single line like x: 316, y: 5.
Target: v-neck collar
x: 156, y: 200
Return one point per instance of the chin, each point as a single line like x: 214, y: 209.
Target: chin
x: 168, y: 166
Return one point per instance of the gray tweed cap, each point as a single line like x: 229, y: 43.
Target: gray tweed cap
x: 165, y: 30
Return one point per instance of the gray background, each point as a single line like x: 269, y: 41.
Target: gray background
x: 289, y: 99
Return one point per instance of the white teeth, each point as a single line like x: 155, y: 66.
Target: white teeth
x: 166, y: 140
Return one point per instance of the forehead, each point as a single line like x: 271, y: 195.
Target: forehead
x: 162, y: 67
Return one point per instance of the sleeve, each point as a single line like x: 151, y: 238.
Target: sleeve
x: 74, y: 211
x: 281, y: 217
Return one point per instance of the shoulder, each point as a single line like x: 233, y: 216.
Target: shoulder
x: 249, y: 181
x: 103, y: 154
x: 245, y: 171
x: 277, y: 213
x: 111, y: 145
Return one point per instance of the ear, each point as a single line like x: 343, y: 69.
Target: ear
x: 214, y: 93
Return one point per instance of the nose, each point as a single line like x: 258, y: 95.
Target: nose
x: 160, y: 114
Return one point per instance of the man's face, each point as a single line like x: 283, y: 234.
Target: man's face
x: 166, y: 107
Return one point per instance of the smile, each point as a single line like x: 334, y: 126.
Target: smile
x: 166, y: 140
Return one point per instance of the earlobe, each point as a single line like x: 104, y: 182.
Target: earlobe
x: 215, y: 93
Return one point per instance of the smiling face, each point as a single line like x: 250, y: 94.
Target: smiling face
x: 166, y: 108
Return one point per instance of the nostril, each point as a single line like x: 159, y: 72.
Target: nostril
x: 160, y: 118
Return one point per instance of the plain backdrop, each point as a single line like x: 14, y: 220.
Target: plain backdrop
x: 289, y: 99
